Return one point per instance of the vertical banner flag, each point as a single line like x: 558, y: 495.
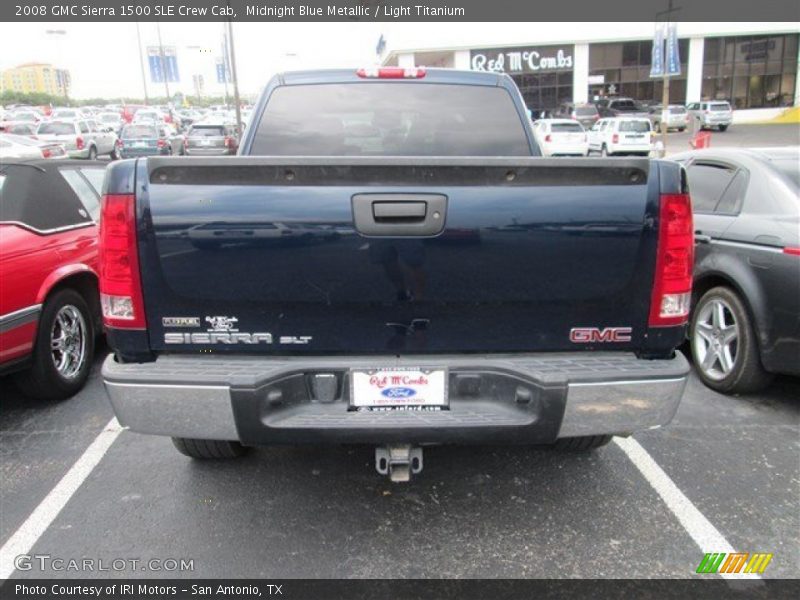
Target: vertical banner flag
x: 220, y: 64
x: 171, y: 64
x: 657, y: 63
x: 154, y: 62
x: 673, y: 58
x: 166, y: 69
x: 226, y: 61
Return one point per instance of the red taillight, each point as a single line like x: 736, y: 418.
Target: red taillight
x: 120, y: 283
x: 391, y: 73
x: 615, y: 139
x: 79, y: 143
x: 548, y: 138
x: 161, y: 143
x: 792, y: 251
x: 672, y: 285
x: 46, y: 153
x: 228, y: 142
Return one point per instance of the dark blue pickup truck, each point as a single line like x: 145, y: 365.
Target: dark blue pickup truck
x: 389, y: 261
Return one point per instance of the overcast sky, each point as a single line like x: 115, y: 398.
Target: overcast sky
x: 103, y: 59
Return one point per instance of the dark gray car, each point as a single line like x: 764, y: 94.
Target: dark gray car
x: 745, y: 322
x: 585, y: 114
x: 211, y: 139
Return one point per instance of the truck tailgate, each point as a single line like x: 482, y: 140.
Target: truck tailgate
x: 267, y: 255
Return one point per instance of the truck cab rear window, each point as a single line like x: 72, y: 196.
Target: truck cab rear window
x: 390, y: 119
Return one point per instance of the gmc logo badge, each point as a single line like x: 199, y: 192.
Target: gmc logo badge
x: 590, y: 335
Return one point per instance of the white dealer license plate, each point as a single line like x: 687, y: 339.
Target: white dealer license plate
x: 140, y: 144
x: 392, y: 388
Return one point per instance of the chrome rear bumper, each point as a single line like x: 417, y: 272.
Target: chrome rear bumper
x: 531, y: 398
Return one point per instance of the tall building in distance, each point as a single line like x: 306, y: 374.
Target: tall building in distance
x: 36, y: 77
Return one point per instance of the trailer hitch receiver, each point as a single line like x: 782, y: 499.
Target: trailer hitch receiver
x: 398, y: 461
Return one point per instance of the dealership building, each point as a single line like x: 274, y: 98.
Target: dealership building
x: 753, y: 65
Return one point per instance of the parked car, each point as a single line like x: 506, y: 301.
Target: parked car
x: 22, y: 147
x: 144, y: 139
x: 675, y: 116
x: 49, y: 303
x: 111, y: 120
x: 82, y: 138
x: 585, y: 114
x: 709, y: 115
x: 543, y: 335
x: 620, y: 107
x: 211, y: 139
x: 14, y: 128
x: 149, y: 114
x: 66, y: 114
x: 561, y: 137
x: 621, y: 136
x: 745, y: 323
x: 130, y: 110
x: 25, y: 116
x: 534, y: 114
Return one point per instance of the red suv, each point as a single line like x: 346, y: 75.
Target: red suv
x: 49, y: 304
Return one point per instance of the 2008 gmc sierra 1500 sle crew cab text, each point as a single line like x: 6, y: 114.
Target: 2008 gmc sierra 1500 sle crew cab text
x: 388, y: 261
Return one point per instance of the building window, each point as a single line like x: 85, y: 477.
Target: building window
x: 624, y: 70
x: 751, y: 71
x: 543, y: 74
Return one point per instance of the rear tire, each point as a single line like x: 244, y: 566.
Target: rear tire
x: 60, y: 372
x: 92, y: 153
x: 721, y: 310
x: 723, y: 128
x: 208, y: 449
x: 604, y: 152
x: 581, y: 444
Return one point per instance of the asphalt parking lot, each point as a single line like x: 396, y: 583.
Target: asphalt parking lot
x: 724, y: 475
x: 740, y: 135
x: 473, y: 512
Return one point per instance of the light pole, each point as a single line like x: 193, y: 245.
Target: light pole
x: 235, y: 79
x: 141, y: 63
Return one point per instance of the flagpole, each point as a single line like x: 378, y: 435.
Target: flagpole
x: 667, y: 14
x: 235, y: 78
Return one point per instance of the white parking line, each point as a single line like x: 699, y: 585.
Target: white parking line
x: 23, y: 539
x: 704, y: 534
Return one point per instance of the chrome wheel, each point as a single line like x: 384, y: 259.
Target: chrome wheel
x: 68, y: 342
x: 716, y: 339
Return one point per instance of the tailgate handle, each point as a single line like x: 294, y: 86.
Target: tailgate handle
x: 399, y: 215
x: 399, y: 210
